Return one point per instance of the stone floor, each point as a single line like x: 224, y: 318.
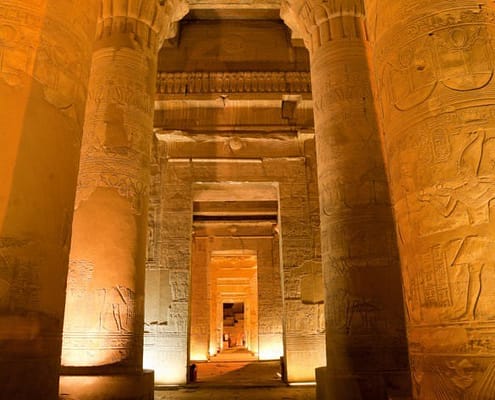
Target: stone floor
x: 225, y: 393
x: 235, y: 375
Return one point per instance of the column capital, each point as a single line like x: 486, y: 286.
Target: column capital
x: 321, y: 21
x: 149, y: 21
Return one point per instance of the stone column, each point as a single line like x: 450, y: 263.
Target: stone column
x: 434, y: 74
x: 365, y: 338
x: 103, y: 329
x: 45, y: 57
x: 201, y: 335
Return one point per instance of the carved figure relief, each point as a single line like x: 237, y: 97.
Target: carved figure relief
x: 117, y: 309
x: 471, y: 252
x: 351, y: 314
x: 433, y: 284
x: 177, y: 316
x: 458, y: 57
x: 475, y: 187
x: 458, y: 378
x: 180, y: 285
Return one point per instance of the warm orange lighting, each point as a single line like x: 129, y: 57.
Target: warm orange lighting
x: 272, y: 350
x: 169, y: 367
x: 97, y: 349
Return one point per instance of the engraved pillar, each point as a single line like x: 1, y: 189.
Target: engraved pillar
x: 103, y: 329
x: 365, y: 335
x: 434, y: 73
x: 45, y: 55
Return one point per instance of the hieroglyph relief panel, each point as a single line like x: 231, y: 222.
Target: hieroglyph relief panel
x: 442, y: 165
x: 434, y: 75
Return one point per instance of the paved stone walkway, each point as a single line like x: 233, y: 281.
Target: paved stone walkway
x: 245, y: 393
x: 237, y: 380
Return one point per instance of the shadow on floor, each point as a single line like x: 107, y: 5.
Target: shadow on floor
x: 239, y: 373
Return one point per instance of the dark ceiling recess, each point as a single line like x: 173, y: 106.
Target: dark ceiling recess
x: 235, y: 210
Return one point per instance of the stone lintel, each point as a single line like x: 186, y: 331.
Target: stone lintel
x: 227, y: 9
x: 254, y: 83
x: 228, y: 114
x: 237, y: 229
x: 232, y: 146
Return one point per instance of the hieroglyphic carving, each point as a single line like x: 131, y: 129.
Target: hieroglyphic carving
x: 233, y: 82
x: 452, y: 378
x: 369, y: 189
x: 179, y: 282
x: 79, y: 278
x: 20, y: 284
x: 16, y: 51
x: 473, y: 189
x: 178, y: 317
x: 115, y: 155
x: 450, y: 50
x: 117, y: 309
x: 434, y: 74
x: 119, y: 172
x: 350, y: 314
x: 301, y: 318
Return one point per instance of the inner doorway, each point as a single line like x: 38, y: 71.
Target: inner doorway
x: 235, y: 292
x: 234, y: 334
x: 224, y: 317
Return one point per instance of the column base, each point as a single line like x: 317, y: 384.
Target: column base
x: 139, y: 386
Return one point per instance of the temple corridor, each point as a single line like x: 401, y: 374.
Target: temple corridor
x: 247, y: 199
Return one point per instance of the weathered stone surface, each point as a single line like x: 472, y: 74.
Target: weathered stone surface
x: 434, y: 79
x: 45, y: 55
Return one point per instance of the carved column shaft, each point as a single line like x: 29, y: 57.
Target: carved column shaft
x: 104, y: 315
x: 45, y: 54
x: 365, y: 332
x: 434, y: 76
